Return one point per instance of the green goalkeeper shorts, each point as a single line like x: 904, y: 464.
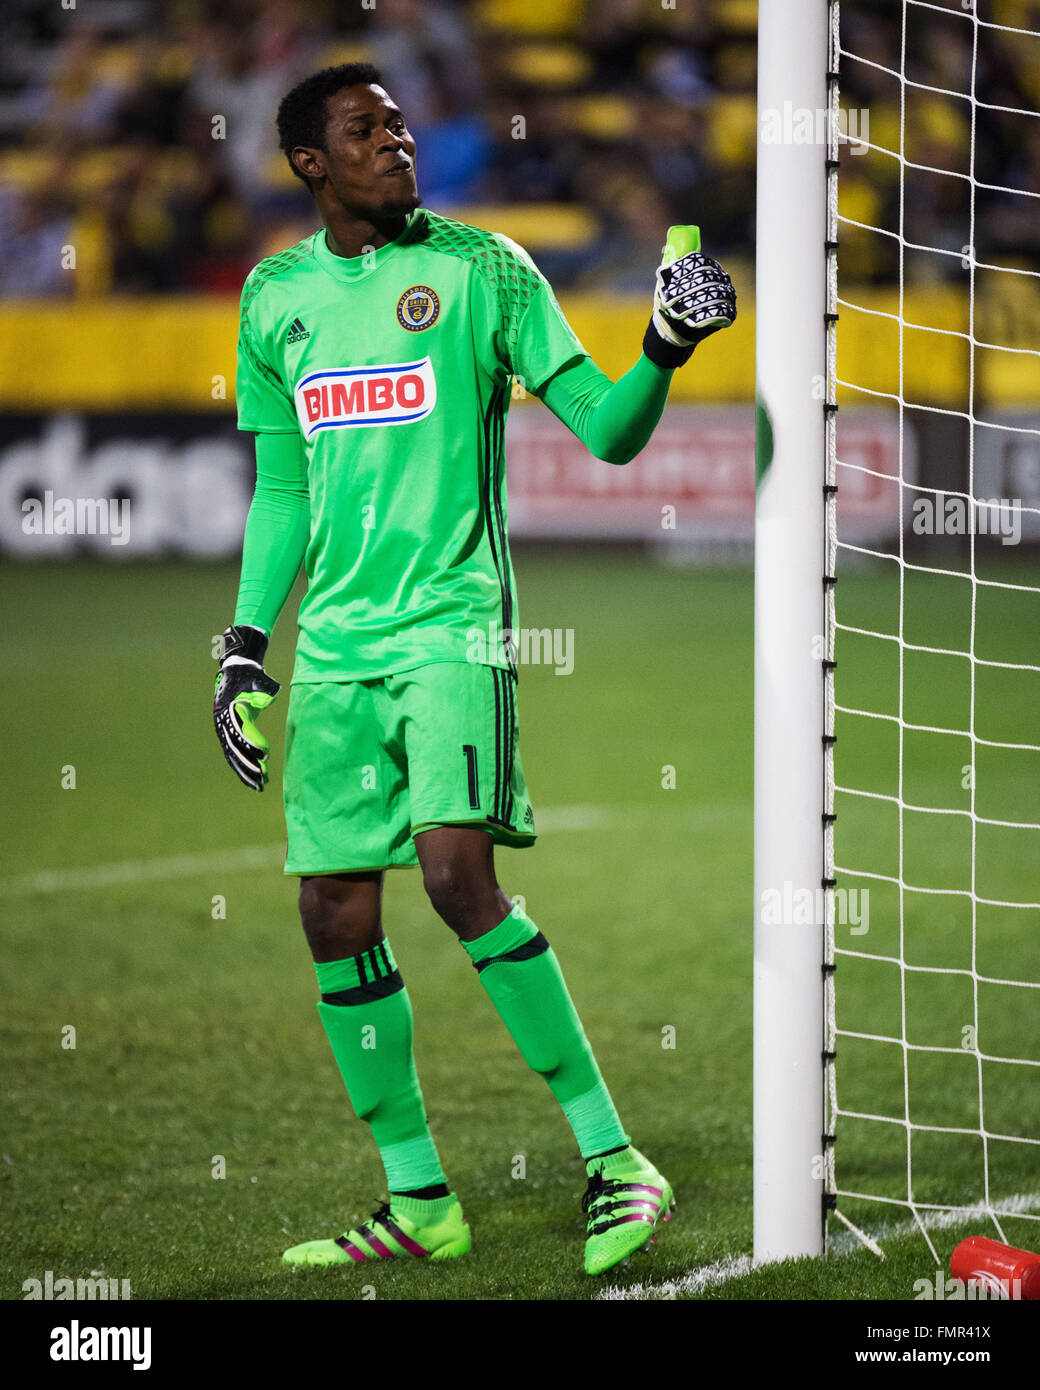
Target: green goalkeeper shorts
x: 369, y: 764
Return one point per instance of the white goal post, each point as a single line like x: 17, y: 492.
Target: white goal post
x: 790, y: 368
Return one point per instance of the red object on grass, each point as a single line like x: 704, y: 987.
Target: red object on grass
x: 997, y: 1267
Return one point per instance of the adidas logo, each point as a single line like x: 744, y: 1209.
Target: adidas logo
x: 297, y: 332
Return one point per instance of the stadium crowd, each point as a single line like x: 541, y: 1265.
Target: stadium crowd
x: 141, y: 133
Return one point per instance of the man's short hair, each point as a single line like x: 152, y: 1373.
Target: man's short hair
x: 301, y: 115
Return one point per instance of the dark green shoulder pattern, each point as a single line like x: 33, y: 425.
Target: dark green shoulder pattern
x: 267, y: 269
x: 272, y: 266
x: 512, y: 277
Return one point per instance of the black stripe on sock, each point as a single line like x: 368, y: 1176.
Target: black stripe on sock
x: 605, y: 1154
x: 362, y: 975
x: 382, y: 988
x: 381, y: 948
x: 425, y: 1194
x: 535, y: 947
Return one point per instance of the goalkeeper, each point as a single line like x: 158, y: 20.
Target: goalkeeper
x: 375, y: 361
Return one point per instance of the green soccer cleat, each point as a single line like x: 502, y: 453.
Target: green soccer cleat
x: 625, y: 1199
x: 388, y: 1236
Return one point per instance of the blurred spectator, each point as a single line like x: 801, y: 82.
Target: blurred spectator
x: 536, y: 161
x: 238, y: 97
x: 419, y: 46
x: 615, y: 32
x: 76, y: 96
x: 672, y: 143
x: 453, y: 150
x: 162, y: 115
x: 637, y: 217
x: 35, y: 227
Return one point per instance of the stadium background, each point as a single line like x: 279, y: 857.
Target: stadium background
x: 143, y: 901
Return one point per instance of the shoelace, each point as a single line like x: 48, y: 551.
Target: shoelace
x: 379, y: 1215
x: 596, y: 1191
x: 599, y: 1207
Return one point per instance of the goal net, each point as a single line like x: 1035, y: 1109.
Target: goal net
x: 932, y: 715
x: 930, y: 613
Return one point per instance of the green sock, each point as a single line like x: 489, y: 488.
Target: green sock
x: 368, y: 1019
x: 621, y: 1162
x: 424, y: 1211
x: 520, y: 972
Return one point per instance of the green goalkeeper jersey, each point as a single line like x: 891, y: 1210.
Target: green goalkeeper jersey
x: 395, y: 369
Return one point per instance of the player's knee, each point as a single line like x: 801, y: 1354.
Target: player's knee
x: 545, y: 1062
x: 338, y: 923
x: 450, y: 891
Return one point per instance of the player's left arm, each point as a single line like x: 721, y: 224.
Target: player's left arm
x: 694, y: 298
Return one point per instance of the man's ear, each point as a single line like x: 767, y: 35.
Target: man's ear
x: 310, y: 162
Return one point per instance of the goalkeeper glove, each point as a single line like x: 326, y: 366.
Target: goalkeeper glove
x: 694, y: 298
x: 243, y: 689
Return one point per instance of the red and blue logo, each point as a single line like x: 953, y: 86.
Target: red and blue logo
x: 396, y: 394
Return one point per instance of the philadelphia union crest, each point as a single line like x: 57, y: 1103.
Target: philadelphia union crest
x: 418, y: 308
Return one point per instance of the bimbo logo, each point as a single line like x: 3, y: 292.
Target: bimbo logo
x: 392, y: 395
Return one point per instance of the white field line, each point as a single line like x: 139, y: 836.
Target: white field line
x: 738, y: 1266
x: 144, y: 870
x: 706, y: 1277
x: 550, y: 820
x: 226, y: 861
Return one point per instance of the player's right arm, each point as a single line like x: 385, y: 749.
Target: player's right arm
x: 275, y: 543
x: 277, y: 530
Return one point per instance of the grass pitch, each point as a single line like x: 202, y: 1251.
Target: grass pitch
x: 197, y: 1044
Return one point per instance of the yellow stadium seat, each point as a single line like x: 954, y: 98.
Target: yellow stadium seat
x: 338, y: 53
x: 604, y: 117
x: 858, y: 250
x: 548, y: 64
x: 150, y: 222
x: 1029, y: 76
x: 733, y: 129
x: 174, y: 169
x: 119, y: 63
x: 529, y: 16
x: 175, y: 63
x: 857, y: 199
x: 883, y: 130
x: 95, y: 169
x: 93, y: 255
x: 26, y: 168
x: 738, y: 16
x: 285, y: 234
x: 226, y: 224
x: 1017, y: 14
x: 944, y: 121
x: 278, y: 177
x: 534, y: 224
x: 937, y: 134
